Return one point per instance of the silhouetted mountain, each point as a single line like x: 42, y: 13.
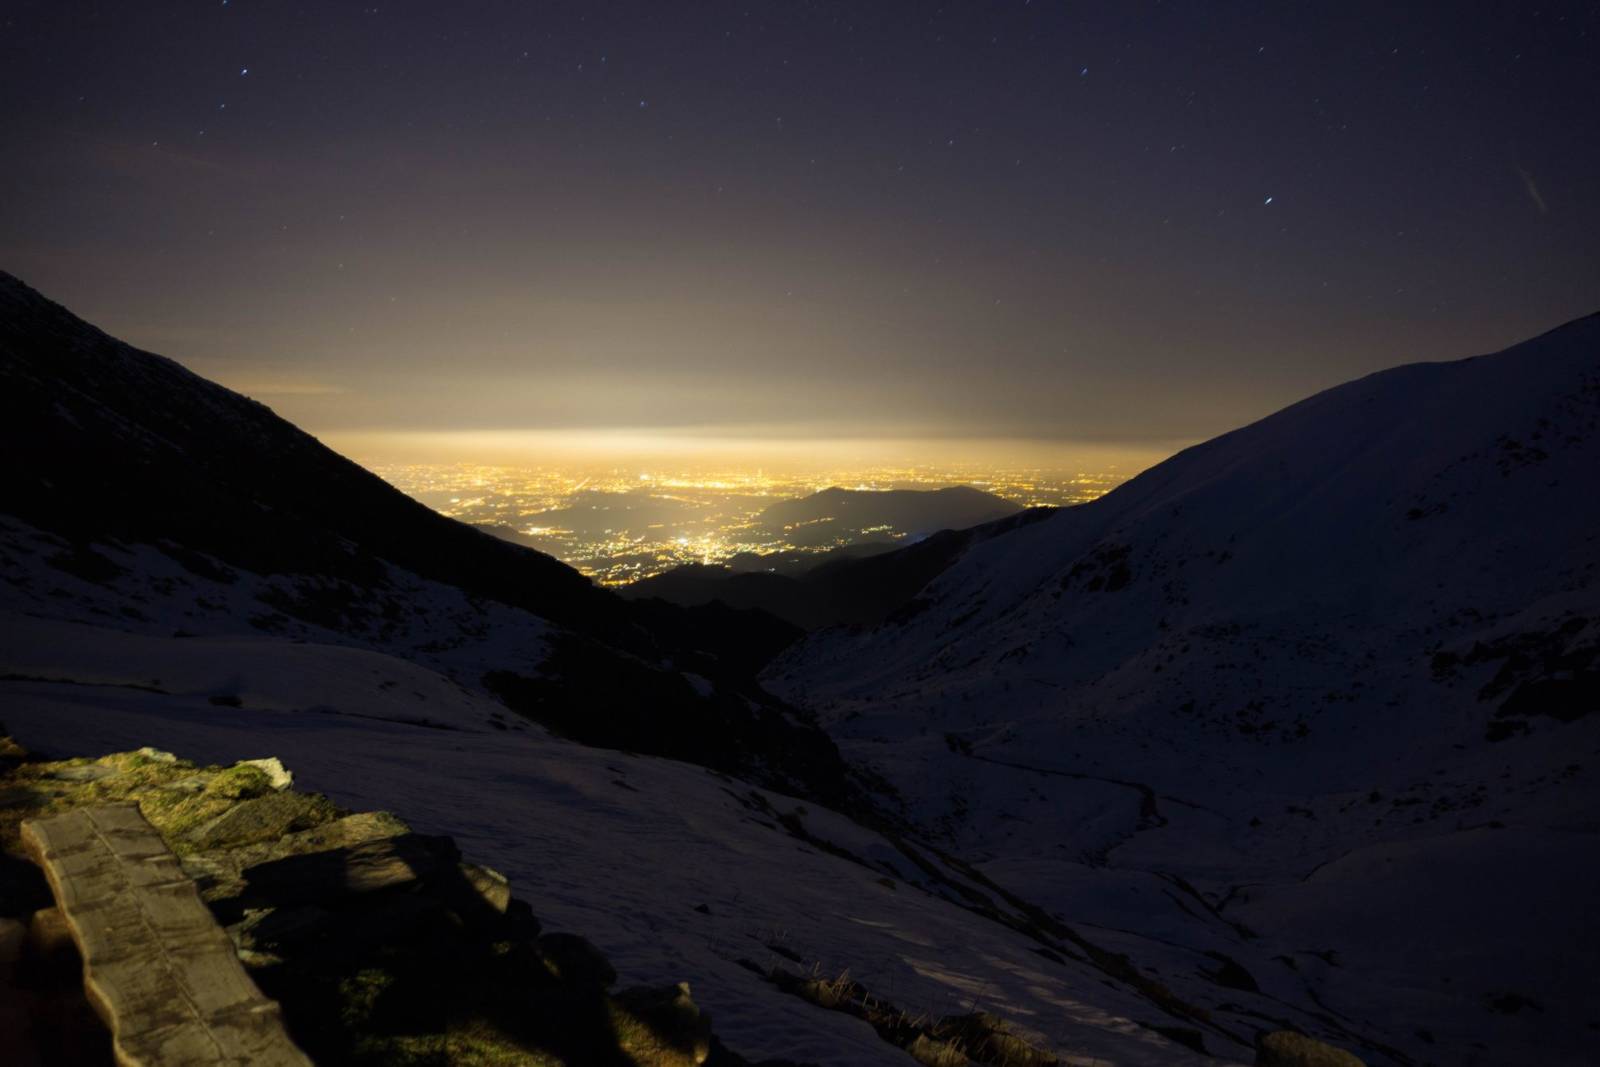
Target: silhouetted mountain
x: 110, y: 449
x: 861, y: 590
x: 839, y: 515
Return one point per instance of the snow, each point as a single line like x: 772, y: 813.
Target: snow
x: 617, y: 847
x: 1267, y: 668
x: 1235, y: 721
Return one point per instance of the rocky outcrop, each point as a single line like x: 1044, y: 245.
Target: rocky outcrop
x: 382, y: 945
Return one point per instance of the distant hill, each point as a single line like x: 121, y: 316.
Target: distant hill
x: 840, y: 589
x: 837, y: 516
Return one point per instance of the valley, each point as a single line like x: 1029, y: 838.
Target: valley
x: 621, y: 524
x: 1278, y: 736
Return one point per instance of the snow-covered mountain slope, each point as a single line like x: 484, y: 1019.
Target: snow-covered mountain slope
x: 1336, y: 671
x: 1289, y: 732
x: 677, y: 873
x: 134, y: 490
x: 180, y: 568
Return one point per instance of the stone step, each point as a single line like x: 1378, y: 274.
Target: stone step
x: 157, y: 967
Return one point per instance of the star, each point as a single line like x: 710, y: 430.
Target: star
x: 1267, y: 201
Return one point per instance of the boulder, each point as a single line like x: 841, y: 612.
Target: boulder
x: 574, y: 960
x: 489, y: 884
x: 278, y: 776
x: 220, y: 872
x: 258, y: 819
x: 266, y: 928
x: 238, y: 782
x: 1285, y: 1048
x: 364, y: 868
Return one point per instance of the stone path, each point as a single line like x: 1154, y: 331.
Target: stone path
x: 157, y: 967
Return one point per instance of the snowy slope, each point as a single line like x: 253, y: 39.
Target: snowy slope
x: 180, y: 568
x: 1335, y: 670
x: 1288, y: 732
x: 132, y: 489
x: 621, y: 848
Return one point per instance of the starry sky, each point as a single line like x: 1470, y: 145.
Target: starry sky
x: 1102, y: 224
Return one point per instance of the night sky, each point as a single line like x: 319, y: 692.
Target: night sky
x: 1126, y: 223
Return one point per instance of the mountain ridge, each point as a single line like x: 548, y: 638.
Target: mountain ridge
x: 107, y: 445
x: 1305, y: 667
x: 1283, y: 734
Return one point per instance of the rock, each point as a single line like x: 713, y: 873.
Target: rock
x: 260, y: 818
x: 1285, y: 1048
x: 278, y: 776
x: 674, y: 1022
x: 930, y: 1053
x: 81, y: 772
x: 359, y: 829
x: 158, y: 968
x: 238, y: 782
x: 521, y: 924
x: 220, y: 872
x: 574, y: 960
x: 269, y: 927
x: 489, y: 884
x: 417, y: 920
x: 364, y: 868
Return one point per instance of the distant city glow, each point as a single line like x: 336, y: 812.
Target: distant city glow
x: 618, y: 523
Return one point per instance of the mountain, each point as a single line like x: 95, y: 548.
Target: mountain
x: 836, y: 516
x: 843, y: 589
x: 177, y: 504
x: 1316, y: 698
x: 1292, y: 733
x: 181, y: 569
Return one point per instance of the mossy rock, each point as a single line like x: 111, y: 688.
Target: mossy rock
x: 239, y: 782
x: 180, y: 799
x: 261, y: 819
x: 399, y: 953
